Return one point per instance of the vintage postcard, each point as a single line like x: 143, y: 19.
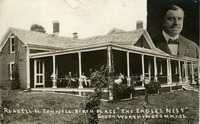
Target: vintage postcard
x: 99, y: 62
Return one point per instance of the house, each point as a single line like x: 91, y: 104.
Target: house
x: 44, y: 60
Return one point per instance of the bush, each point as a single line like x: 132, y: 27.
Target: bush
x: 153, y: 87
x: 92, y: 101
x: 122, y: 91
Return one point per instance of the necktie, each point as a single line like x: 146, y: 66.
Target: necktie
x: 171, y: 41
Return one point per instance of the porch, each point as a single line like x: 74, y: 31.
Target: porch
x: 139, y: 90
x: 52, y: 70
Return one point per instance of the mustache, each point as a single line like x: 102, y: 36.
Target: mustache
x: 175, y: 27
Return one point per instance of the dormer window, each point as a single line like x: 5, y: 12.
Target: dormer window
x: 12, y: 44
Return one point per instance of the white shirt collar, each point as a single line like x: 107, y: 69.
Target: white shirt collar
x: 167, y: 37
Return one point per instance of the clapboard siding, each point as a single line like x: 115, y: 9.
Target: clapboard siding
x: 7, y: 57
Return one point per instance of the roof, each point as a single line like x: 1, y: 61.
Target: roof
x: 115, y: 31
x: 122, y: 38
x: 29, y: 37
x: 125, y: 38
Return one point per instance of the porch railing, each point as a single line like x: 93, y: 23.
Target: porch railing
x: 74, y: 82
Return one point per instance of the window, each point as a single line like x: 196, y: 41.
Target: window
x: 12, y: 44
x: 10, y: 70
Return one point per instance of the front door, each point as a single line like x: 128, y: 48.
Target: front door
x: 39, y: 73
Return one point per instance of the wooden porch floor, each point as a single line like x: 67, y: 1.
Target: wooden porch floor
x: 139, y: 90
x: 50, y: 89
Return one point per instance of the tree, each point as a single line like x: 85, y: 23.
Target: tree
x: 92, y: 101
x: 38, y: 28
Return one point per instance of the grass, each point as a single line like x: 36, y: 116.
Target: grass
x: 188, y: 100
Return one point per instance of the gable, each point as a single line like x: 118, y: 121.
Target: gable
x: 142, y: 42
x: 36, y: 39
x: 115, y: 31
x: 7, y: 44
x: 17, y: 44
x: 4, y: 39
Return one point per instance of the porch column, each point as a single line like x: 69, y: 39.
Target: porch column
x: 142, y: 78
x: 199, y: 71
x: 109, y: 59
x: 179, y: 71
x: 80, y: 69
x: 111, y: 77
x: 169, y: 78
x: 149, y: 69
x: 170, y: 71
x: 193, y: 81
x: 155, y: 70
x: 128, y: 69
x: 35, y: 67
x: 28, y: 67
x: 54, y: 72
x: 56, y: 68
x: 186, y: 71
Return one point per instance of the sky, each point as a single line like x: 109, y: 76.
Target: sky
x: 86, y: 17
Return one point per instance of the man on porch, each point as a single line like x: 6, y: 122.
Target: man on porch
x: 68, y: 79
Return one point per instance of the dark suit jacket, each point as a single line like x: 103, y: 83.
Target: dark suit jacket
x: 186, y: 47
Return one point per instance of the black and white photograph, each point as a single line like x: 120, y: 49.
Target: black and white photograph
x: 99, y: 62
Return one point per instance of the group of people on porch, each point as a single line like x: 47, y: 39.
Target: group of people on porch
x: 72, y: 81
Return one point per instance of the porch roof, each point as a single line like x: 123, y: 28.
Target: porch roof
x: 100, y: 46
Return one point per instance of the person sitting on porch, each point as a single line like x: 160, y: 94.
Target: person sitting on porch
x: 119, y: 79
x: 83, y: 79
x: 90, y: 72
x: 124, y: 80
x: 74, y: 82
x: 134, y: 79
x: 121, y: 76
x: 69, y: 79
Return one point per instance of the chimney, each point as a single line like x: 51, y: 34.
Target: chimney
x: 75, y: 35
x: 139, y: 24
x: 56, y: 28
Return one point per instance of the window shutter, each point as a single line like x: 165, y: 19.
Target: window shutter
x: 9, y: 45
x: 8, y: 71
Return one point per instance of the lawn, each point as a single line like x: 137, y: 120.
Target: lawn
x: 54, y: 108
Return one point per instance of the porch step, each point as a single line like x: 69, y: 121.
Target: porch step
x: 189, y: 87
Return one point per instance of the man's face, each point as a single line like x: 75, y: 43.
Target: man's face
x: 173, y: 22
